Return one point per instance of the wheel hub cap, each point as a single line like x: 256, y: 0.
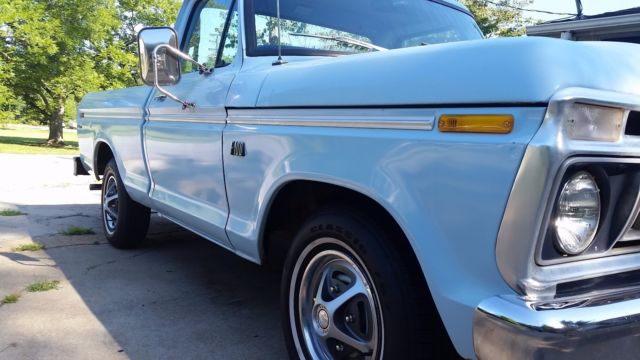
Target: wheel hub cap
x: 323, y: 319
x: 338, y: 314
x: 110, y: 204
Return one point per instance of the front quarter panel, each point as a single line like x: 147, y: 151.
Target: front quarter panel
x: 446, y: 191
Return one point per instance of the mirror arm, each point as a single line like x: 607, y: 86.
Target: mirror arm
x: 203, y: 69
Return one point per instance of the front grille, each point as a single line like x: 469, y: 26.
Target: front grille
x: 632, y: 236
x: 633, y: 124
x: 620, y: 281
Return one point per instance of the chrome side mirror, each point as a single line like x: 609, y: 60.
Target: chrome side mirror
x: 160, y: 60
x: 165, y: 70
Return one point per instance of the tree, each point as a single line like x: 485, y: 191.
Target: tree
x: 58, y: 50
x: 10, y: 105
x: 118, y: 60
x: 499, y: 18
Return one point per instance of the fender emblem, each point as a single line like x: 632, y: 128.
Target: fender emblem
x: 238, y: 148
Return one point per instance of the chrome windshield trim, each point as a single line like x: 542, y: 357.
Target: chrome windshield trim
x: 399, y: 119
x: 522, y: 224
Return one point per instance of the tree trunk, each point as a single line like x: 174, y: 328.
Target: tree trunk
x: 56, y: 125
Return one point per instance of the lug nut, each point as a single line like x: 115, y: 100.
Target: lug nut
x: 339, y: 347
x: 334, y: 288
x: 349, y: 318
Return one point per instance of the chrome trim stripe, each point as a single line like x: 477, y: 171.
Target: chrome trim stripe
x: 126, y: 110
x: 200, y: 115
x: 116, y: 113
x: 399, y: 119
x: 111, y: 116
x: 210, y: 119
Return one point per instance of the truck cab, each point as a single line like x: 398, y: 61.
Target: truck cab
x: 427, y: 192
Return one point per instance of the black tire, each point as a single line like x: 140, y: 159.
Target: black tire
x: 410, y: 327
x: 124, y: 221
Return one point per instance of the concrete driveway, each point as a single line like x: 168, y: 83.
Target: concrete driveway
x: 176, y: 297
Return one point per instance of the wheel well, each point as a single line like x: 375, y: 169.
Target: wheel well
x: 297, y: 200
x: 103, y: 154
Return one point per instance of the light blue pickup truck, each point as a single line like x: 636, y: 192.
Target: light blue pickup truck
x: 428, y: 192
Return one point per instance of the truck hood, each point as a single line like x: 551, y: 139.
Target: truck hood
x: 497, y: 71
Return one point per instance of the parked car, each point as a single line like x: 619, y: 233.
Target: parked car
x: 426, y: 189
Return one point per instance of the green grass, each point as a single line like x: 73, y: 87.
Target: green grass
x: 29, y: 247
x: 23, y: 139
x: 77, y: 230
x: 10, y: 299
x: 43, y: 286
x: 10, y: 212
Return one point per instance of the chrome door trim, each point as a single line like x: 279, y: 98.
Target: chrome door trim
x: 199, y: 115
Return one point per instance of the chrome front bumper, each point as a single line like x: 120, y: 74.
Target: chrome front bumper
x: 507, y: 327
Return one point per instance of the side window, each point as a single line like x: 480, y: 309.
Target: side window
x: 206, y: 33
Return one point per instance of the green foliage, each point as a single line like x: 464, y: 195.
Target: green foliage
x: 499, y: 21
x: 117, y: 59
x: 29, y: 247
x: 10, y: 299
x: 43, y: 286
x: 23, y: 139
x: 52, y: 52
x: 10, y: 212
x: 77, y: 230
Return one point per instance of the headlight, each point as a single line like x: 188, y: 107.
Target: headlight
x: 577, y: 213
x: 595, y: 123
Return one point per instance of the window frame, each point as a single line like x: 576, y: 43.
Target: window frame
x: 191, y: 24
x: 225, y: 33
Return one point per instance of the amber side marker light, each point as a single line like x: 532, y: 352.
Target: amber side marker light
x: 487, y: 124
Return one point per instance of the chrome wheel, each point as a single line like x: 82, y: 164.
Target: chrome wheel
x: 333, y: 304
x: 110, y: 204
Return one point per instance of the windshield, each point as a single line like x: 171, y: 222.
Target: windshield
x: 336, y: 27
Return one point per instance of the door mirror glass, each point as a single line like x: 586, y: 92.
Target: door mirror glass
x: 168, y: 64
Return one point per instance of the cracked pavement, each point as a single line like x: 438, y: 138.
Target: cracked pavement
x: 177, y: 296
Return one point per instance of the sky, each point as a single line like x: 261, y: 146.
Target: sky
x: 590, y: 7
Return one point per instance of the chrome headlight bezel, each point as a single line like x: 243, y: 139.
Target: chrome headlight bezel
x: 619, y: 190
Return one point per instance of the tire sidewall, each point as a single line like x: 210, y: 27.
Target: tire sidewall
x: 360, y: 240
x: 133, y: 218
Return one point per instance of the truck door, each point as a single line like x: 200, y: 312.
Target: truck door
x: 184, y: 146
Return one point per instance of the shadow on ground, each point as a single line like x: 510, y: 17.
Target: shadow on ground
x: 27, y: 141
x: 177, y: 296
